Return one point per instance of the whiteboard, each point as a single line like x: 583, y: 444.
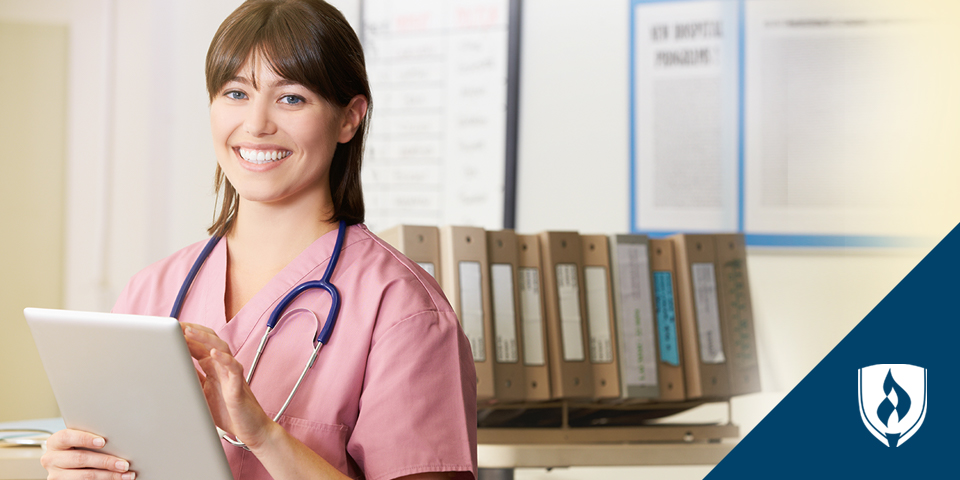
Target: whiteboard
x: 437, y: 150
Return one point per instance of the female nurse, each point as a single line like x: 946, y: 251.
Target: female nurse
x: 392, y: 394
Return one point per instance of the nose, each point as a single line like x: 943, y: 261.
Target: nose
x: 259, y: 121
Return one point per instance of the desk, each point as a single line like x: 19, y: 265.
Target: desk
x: 21, y: 463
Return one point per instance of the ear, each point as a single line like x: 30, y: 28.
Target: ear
x: 353, y: 114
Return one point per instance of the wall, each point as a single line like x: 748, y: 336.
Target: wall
x: 33, y: 80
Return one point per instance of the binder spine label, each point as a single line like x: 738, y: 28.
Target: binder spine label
x: 737, y: 305
x: 429, y: 268
x: 666, y: 318
x: 598, y: 314
x: 531, y: 316
x: 504, y: 312
x: 708, y: 312
x: 638, y: 350
x: 471, y: 308
x: 571, y: 329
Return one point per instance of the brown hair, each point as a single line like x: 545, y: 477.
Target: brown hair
x: 308, y: 42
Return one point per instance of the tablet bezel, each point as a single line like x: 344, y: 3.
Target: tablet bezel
x: 130, y: 379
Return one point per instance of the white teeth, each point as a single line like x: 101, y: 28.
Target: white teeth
x: 262, y: 156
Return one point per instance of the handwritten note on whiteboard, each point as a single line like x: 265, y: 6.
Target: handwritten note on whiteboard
x: 438, y: 75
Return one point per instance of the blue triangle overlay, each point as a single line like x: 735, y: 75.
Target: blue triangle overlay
x: 816, y: 430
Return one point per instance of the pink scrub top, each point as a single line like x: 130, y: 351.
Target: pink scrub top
x: 393, y: 393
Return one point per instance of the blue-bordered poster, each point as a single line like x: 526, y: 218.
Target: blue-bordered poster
x: 798, y: 122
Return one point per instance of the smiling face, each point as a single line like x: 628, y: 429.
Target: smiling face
x: 275, y: 139
x: 306, y: 43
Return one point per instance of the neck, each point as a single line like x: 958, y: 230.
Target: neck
x: 278, y: 233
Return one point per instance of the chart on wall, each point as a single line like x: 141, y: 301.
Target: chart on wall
x: 798, y: 122
x: 438, y: 72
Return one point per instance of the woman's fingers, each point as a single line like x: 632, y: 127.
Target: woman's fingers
x: 230, y: 399
x: 202, y: 334
x: 67, y: 439
x: 238, y: 409
x: 200, y: 340
x: 197, y: 327
x: 84, y: 459
x: 227, y: 373
x: 226, y: 361
x: 67, y: 456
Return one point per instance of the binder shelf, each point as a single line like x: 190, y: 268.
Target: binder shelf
x: 574, y: 434
x: 567, y: 422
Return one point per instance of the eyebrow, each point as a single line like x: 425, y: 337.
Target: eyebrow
x: 283, y: 82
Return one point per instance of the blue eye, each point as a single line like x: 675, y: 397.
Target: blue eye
x: 292, y: 99
x: 235, y: 95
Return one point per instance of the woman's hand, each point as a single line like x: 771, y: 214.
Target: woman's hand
x: 230, y: 399
x: 73, y: 454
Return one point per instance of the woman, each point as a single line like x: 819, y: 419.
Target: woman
x: 393, y: 392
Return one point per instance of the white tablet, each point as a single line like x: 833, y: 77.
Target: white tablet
x: 130, y: 379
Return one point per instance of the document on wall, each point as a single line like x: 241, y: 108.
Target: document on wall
x: 435, y: 154
x: 684, y: 114
x: 845, y: 105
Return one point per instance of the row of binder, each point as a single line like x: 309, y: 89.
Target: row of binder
x: 612, y: 318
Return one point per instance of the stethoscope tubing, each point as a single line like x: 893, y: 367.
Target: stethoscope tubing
x: 324, y: 335
x: 187, y: 282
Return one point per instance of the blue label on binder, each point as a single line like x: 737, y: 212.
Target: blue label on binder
x: 666, y: 318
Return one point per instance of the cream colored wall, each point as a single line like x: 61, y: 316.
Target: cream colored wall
x: 33, y: 84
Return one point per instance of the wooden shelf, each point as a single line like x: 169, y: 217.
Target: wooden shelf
x: 665, y: 433
x: 508, y: 457
x: 646, y: 443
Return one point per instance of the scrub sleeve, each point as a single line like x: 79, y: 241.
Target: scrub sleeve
x: 394, y: 391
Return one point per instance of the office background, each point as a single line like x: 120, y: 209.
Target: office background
x: 109, y: 167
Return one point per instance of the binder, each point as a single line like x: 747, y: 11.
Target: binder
x: 736, y: 312
x: 705, y: 362
x: 508, y: 370
x: 463, y: 261
x: 571, y: 374
x: 419, y: 243
x: 601, y: 329
x: 633, y: 313
x: 669, y: 347
x: 536, y: 370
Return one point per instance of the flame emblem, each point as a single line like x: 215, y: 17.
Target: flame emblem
x: 899, y: 402
x: 893, y: 401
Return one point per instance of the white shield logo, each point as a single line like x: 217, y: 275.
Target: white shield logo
x: 893, y: 401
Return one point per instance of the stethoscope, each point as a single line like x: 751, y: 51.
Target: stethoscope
x: 322, y: 336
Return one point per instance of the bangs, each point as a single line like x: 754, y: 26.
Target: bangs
x: 282, y: 35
